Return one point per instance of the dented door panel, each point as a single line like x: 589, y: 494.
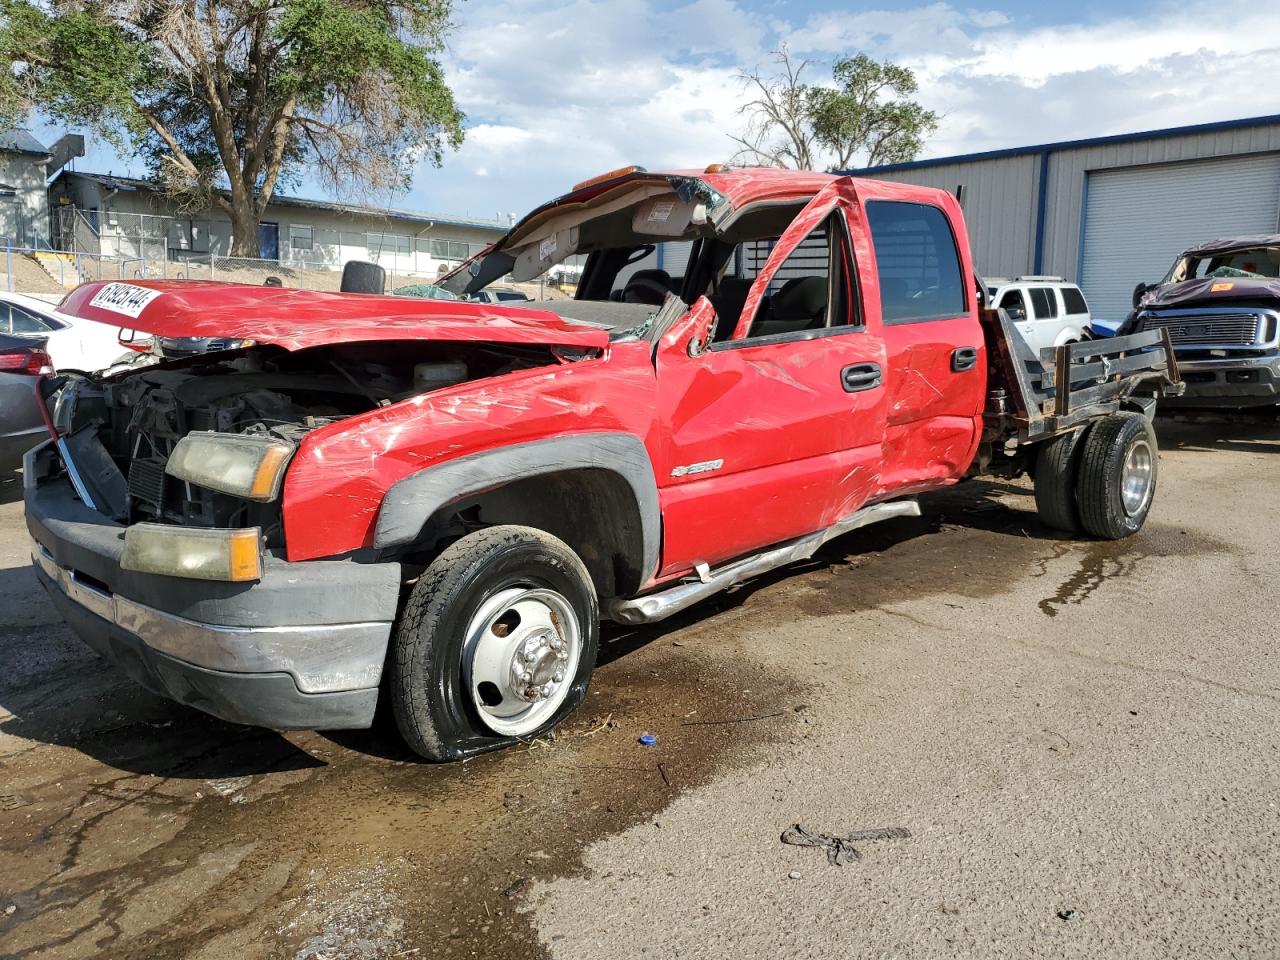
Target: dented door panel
x: 795, y: 450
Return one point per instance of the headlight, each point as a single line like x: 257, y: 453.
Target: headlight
x: 194, y: 553
x: 248, y: 467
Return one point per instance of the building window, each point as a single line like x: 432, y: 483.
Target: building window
x: 300, y: 238
x: 450, y: 250
x: 388, y: 243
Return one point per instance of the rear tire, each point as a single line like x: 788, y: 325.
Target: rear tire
x: 1057, y: 464
x: 496, y: 643
x: 1118, y: 471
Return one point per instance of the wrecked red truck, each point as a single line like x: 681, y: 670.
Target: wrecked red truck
x: 310, y: 501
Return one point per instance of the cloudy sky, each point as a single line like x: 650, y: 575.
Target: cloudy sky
x: 558, y: 93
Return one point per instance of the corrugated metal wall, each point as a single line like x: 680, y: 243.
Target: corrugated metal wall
x: 1138, y: 219
x: 999, y: 206
x: 1000, y: 194
x: 1067, y: 172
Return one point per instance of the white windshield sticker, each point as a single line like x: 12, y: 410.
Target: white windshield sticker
x: 547, y: 247
x: 661, y: 211
x: 123, y: 298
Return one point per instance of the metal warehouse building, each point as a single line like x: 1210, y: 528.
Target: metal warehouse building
x: 1110, y: 212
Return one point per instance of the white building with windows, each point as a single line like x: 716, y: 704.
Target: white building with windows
x: 126, y: 217
x: 25, y: 166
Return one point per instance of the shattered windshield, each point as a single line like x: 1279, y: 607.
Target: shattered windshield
x: 1247, y: 262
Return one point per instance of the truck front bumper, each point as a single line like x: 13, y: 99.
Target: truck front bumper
x: 1228, y: 382
x: 303, y: 648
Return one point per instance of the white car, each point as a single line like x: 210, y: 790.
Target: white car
x: 1048, y: 311
x: 71, y: 342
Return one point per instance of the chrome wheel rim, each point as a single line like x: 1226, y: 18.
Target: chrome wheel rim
x: 520, y: 655
x: 1135, y: 479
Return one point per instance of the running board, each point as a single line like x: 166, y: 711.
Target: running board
x: 653, y: 607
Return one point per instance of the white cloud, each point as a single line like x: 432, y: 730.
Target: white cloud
x: 560, y: 94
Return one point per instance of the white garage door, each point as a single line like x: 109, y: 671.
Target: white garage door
x: 1139, y: 218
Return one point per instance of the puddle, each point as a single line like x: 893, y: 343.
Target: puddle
x: 1098, y: 562
x: 252, y: 844
x: 976, y: 540
x: 244, y: 844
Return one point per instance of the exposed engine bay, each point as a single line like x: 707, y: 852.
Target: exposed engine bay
x: 121, y: 430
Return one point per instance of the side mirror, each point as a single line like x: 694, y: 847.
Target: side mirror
x: 1138, y: 291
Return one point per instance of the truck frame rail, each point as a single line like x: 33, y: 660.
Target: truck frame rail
x: 1041, y: 396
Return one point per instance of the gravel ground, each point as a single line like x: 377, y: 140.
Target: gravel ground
x: 1080, y: 740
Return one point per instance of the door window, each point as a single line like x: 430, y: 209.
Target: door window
x: 24, y: 322
x: 1044, y: 303
x: 813, y: 289
x: 918, y: 261
x: 1073, y: 300
x: 1014, y: 305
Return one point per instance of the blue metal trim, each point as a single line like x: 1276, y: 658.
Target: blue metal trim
x: 1069, y: 145
x: 1042, y: 203
x: 662, y: 249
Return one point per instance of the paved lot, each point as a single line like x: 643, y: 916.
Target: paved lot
x: 1080, y: 738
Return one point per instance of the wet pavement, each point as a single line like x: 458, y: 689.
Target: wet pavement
x: 1079, y: 737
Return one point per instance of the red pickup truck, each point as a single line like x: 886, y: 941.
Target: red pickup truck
x: 310, y: 500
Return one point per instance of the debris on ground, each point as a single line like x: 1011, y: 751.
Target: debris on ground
x: 648, y: 739
x: 226, y: 786
x: 357, y: 913
x: 1066, y: 914
x: 840, y: 849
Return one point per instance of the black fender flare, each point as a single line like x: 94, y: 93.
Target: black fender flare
x: 414, y: 499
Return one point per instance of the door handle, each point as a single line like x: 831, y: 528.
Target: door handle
x: 964, y: 358
x: 860, y: 376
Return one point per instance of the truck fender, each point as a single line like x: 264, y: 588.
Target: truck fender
x: 414, y: 500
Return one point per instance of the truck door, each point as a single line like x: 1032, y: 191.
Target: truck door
x: 936, y: 376
x: 775, y: 431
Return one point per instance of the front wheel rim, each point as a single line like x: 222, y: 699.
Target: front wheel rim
x: 1137, y: 477
x: 521, y: 652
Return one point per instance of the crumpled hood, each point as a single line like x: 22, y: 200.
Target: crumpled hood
x: 298, y: 319
x: 1210, y: 291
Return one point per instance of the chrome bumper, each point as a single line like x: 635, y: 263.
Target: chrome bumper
x: 1269, y: 363
x: 321, y: 659
x: 1229, y: 382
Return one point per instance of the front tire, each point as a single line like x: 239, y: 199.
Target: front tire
x: 496, y: 643
x: 1117, y: 480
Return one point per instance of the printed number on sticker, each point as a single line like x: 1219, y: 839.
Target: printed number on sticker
x: 123, y: 298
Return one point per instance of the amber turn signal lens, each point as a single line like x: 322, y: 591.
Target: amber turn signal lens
x: 195, y: 553
x: 611, y: 175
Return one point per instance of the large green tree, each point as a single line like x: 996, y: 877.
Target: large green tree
x: 865, y: 117
x: 228, y: 99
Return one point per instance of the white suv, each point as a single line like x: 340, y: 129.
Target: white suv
x: 1047, y: 311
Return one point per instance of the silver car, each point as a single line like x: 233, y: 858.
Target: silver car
x: 22, y: 362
